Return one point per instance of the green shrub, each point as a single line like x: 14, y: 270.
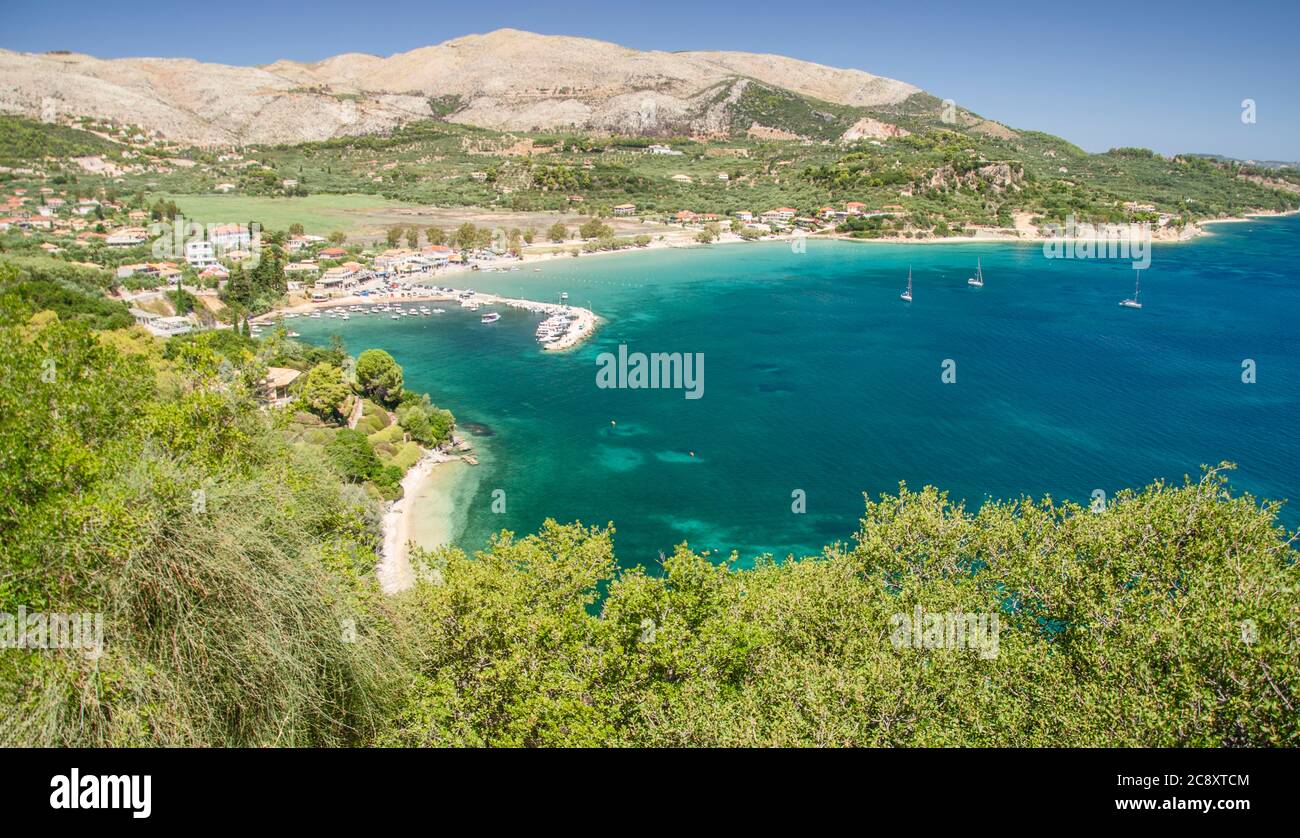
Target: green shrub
x: 318, y: 436
x: 393, y: 433
x: 427, y: 424
x: 379, y: 376
x: 350, y: 453
x: 408, y: 455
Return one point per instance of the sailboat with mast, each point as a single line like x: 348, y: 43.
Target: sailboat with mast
x: 1137, y: 289
x: 977, y: 281
x: 906, y: 296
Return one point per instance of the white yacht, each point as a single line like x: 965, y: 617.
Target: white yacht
x: 978, y: 279
x: 490, y: 317
x: 1137, y: 288
x: 906, y: 296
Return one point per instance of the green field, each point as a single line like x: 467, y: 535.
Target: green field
x: 319, y: 214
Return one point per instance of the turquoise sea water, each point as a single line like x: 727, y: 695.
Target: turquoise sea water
x: 818, y: 378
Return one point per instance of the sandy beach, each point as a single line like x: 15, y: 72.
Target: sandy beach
x: 395, y: 571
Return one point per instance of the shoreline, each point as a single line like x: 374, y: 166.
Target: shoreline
x: 394, y: 570
x: 588, y: 319
x: 685, y: 238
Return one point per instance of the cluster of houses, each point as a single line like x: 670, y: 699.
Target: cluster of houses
x: 775, y: 218
x: 1138, y: 207
x: 50, y: 211
x: 394, y: 264
x: 781, y: 217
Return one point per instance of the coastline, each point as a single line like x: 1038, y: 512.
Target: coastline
x: 394, y: 570
x: 588, y: 320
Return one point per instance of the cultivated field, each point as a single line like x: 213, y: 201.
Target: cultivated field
x: 368, y: 217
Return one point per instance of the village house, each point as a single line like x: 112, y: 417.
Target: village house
x: 162, y: 271
x: 199, y: 254
x: 438, y: 254
x: 163, y: 327
x: 297, y: 243
x: 124, y: 271
x: 389, y: 258
x: 307, y: 267
x: 333, y: 253
x: 127, y: 237
x: 236, y: 256
x: 343, y: 276
x: 229, y: 236
x: 403, y: 261
x: 276, y: 385
x: 217, y: 273
x: 625, y: 209
x: 780, y: 215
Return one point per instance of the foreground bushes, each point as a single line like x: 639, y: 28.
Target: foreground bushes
x: 1169, y: 619
x: 232, y: 571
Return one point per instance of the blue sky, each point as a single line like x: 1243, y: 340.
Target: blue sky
x: 1166, y: 75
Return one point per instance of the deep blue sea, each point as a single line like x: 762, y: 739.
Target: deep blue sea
x: 818, y: 378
